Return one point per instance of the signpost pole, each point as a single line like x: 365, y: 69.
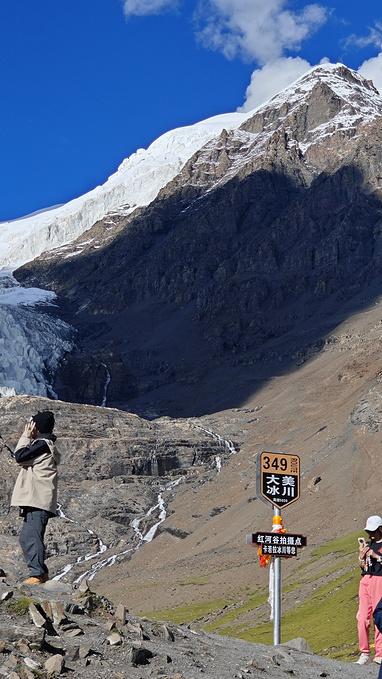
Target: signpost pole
x: 278, y: 484
x: 277, y: 594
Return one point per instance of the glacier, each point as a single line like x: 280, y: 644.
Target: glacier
x: 32, y: 343
x: 142, y: 175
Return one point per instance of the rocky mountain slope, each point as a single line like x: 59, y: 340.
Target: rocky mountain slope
x: 245, y: 301
x: 243, y: 259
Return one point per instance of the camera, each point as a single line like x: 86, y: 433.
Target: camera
x: 361, y: 541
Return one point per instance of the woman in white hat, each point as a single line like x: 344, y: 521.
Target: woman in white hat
x: 370, y: 588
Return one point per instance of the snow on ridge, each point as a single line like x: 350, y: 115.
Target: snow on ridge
x: 333, y: 75
x: 361, y: 104
x: 136, y: 183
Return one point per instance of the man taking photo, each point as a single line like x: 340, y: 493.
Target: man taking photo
x: 35, y: 490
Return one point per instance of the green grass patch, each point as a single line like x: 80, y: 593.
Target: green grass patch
x: 337, y: 549
x: 186, y: 614
x: 346, y: 545
x: 326, y: 620
x: 19, y: 605
x: 346, y: 564
x: 328, y: 577
x: 252, y: 604
x: 202, y: 580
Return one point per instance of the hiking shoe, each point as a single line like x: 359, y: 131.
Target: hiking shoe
x: 377, y: 660
x: 364, y: 659
x: 36, y: 580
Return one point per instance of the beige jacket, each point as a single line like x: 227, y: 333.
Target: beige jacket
x: 36, y: 484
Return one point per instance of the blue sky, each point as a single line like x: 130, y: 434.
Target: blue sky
x: 84, y: 83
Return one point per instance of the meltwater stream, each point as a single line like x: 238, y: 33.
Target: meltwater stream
x: 225, y: 443
x: 142, y: 537
x: 102, y: 548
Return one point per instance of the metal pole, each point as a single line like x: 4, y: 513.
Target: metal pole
x: 277, y: 594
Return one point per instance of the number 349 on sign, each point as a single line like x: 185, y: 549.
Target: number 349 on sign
x: 280, y: 462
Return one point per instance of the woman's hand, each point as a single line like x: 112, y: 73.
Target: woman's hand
x: 374, y: 555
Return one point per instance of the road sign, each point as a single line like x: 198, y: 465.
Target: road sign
x: 278, y: 478
x: 277, y: 544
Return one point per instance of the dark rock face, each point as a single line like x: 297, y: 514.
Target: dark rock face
x: 239, y: 262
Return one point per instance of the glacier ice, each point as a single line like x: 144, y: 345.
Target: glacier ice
x: 32, y: 343
x: 136, y: 183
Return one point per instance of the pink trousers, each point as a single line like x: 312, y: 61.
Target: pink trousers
x: 370, y: 593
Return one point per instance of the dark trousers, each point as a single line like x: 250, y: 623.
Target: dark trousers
x: 32, y: 539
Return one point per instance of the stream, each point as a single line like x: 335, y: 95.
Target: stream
x: 160, y: 506
x: 90, y: 573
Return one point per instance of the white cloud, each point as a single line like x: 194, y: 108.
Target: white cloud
x: 273, y: 77
x: 259, y: 30
x: 374, y: 38
x: 372, y: 69
x: 145, y: 7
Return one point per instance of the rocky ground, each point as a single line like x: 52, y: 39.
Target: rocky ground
x: 56, y: 629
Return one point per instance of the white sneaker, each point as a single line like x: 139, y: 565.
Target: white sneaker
x: 377, y: 660
x: 364, y: 659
